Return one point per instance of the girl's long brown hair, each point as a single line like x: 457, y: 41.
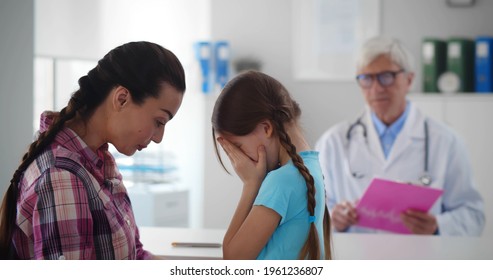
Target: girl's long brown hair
x: 141, y: 67
x: 250, y: 98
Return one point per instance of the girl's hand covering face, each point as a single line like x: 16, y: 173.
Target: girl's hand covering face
x: 250, y: 172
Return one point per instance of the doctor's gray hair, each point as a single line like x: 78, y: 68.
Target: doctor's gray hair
x: 382, y: 45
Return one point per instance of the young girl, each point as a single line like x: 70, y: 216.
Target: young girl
x: 66, y: 200
x: 281, y: 213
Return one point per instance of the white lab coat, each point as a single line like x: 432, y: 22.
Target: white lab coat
x: 459, y: 211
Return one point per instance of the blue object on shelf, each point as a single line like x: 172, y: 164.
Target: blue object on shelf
x: 203, y: 52
x: 222, y: 55
x: 484, y: 65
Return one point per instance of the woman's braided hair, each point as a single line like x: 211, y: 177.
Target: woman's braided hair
x: 142, y: 67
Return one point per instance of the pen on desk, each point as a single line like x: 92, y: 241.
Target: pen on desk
x: 196, y: 244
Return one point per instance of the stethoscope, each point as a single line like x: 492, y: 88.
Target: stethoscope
x: 425, y: 179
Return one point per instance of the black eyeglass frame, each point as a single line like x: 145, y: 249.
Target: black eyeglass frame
x: 379, y: 77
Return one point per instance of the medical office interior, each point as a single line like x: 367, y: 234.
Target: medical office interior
x: 45, y: 45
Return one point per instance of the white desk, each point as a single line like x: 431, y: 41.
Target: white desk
x: 354, y: 246
x: 157, y: 240
x: 347, y: 246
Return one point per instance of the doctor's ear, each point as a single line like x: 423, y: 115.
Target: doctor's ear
x: 410, y: 78
x: 120, y: 97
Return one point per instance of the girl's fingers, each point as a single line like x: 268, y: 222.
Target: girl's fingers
x: 227, y: 147
x: 234, y: 153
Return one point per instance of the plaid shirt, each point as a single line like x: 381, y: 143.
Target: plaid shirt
x: 73, y: 205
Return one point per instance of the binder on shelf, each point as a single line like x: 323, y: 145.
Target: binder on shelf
x: 203, y: 53
x: 460, y: 60
x: 484, y: 65
x: 222, y: 55
x: 434, y: 62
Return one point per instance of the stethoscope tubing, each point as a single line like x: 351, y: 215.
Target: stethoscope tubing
x: 425, y: 179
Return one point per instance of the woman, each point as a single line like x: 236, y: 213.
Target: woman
x: 66, y: 200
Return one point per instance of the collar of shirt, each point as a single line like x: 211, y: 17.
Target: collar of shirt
x: 392, y: 129
x: 101, y: 161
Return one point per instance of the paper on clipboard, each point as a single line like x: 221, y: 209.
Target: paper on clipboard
x: 383, y: 202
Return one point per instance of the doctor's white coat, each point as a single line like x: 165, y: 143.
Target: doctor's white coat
x: 459, y: 211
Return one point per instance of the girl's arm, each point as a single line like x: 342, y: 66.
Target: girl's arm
x: 249, y: 230
x: 250, y: 227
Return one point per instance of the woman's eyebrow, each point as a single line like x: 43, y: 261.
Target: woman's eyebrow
x: 168, y: 112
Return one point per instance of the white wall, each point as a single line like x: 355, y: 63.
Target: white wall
x: 68, y: 29
x: 262, y: 29
x: 16, y: 84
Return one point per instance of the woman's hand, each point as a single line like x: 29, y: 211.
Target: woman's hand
x: 251, y: 172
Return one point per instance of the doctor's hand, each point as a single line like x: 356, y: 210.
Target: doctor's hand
x: 419, y: 222
x: 251, y: 172
x: 343, y: 216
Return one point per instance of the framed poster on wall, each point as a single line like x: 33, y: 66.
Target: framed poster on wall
x: 327, y: 35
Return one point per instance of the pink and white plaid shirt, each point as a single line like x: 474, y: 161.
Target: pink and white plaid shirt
x: 73, y: 205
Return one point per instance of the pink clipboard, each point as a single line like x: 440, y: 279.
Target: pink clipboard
x: 383, y: 202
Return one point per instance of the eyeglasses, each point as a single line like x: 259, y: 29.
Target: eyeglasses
x: 385, y: 79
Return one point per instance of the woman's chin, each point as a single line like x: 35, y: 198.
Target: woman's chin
x: 127, y: 152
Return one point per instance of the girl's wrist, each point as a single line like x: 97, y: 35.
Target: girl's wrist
x: 252, y: 185
x: 251, y: 189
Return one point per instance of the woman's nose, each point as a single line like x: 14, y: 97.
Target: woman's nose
x: 158, y: 136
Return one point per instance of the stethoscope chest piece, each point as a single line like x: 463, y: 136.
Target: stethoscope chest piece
x: 425, y: 179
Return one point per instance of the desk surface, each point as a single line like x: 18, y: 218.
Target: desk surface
x: 345, y: 246
x: 157, y: 240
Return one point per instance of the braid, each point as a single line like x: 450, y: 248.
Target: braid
x: 327, y: 235
x: 8, y: 210
x: 141, y: 67
x: 247, y: 100
x: 311, y: 248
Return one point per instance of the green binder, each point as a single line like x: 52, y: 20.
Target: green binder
x: 434, y: 54
x: 460, y: 60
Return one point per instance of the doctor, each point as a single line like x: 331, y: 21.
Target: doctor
x: 392, y: 139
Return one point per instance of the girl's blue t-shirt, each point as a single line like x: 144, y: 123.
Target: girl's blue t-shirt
x: 284, y: 191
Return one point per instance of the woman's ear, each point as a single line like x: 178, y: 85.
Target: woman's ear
x: 120, y: 97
